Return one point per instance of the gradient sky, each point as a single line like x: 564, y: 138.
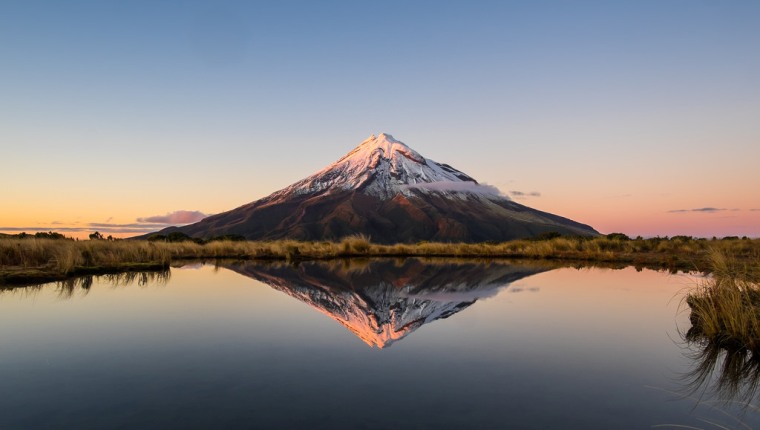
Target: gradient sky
x: 639, y: 117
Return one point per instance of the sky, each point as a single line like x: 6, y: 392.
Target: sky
x: 635, y: 117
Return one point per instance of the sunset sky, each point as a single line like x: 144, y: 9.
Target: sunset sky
x: 124, y: 117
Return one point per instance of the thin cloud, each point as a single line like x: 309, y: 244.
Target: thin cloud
x: 516, y: 193
x: 141, y: 226
x: 35, y: 229
x: 457, y: 296
x: 128, y: 225
x: 461, y: 187
x: 176, y: 217
x: 704, y: 210
x: 101, y: 227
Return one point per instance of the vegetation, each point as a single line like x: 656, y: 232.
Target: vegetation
x: 35, y: 260
x: 725, y: 318
x: 38, y: 235
x: 32, y: 259
x: 725, y: 309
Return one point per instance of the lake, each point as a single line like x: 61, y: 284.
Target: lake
x: 381, y: 344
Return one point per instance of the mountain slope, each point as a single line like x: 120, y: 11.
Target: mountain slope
x: 388, y: 191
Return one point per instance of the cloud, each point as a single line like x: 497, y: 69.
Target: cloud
x: 483, y: 292
x: 101, y: 227
x: 34, y: 229
x: 706, y: 210
x: 525, y: 194
x: 141, y: 226
x: 176, y: 217
x: 522, y: 289
x: 460, y: 187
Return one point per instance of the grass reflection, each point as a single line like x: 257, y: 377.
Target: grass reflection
x: 81, y: 285
x: 723, y: 342
x: 726, y: 372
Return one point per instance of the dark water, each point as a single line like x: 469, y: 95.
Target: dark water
x: 381, y: 345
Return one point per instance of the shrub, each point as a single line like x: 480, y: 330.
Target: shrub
x: 618, y: 236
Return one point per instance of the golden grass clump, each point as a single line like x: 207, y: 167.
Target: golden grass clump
x: 725, y: 309
x: 63, y: 257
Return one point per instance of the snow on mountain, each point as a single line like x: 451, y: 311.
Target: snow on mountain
x: 383, y: 167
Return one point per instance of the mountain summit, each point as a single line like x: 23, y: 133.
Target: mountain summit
x: 380, y: 166
x: 388, y: 191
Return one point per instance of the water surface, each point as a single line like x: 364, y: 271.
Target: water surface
x: 355, y: 345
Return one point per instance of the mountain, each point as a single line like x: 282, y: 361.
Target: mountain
x: 385, y: 301
x: 389, y: 192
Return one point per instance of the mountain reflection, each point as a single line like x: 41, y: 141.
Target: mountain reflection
x: 383, y: 301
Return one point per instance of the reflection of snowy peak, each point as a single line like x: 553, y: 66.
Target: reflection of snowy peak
x: 383, y: 166
x: 384, y: 302
x: 387, y: 191
x: 379, y: 316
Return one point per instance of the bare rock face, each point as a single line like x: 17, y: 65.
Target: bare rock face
x: 389, y: 192
x: 385, y: 300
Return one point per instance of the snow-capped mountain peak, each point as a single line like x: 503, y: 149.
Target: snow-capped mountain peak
x: 387, y: 191
x: 383, y: 167
x: 386, y: 144
x: 382, y: 146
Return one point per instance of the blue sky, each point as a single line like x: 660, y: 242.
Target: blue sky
x: 616, y: 113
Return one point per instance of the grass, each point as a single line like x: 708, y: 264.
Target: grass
x: 725, y: 329
x: 38, y: 259
x: 725, y: 309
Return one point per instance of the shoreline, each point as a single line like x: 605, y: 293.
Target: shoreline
x: 34, y: 261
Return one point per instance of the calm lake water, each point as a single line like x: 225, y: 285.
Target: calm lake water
x: 391, y: 344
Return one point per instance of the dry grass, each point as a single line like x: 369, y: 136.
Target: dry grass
x: 725, y: 309
x: 65, y: 255
x: 39, y: 257
x: 725, y: 318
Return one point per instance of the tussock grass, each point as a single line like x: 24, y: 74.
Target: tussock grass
x: 725, y: 328
x: 33, y: 258
x: 725, y: 309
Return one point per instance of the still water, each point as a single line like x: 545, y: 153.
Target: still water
x: 401, y: 344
